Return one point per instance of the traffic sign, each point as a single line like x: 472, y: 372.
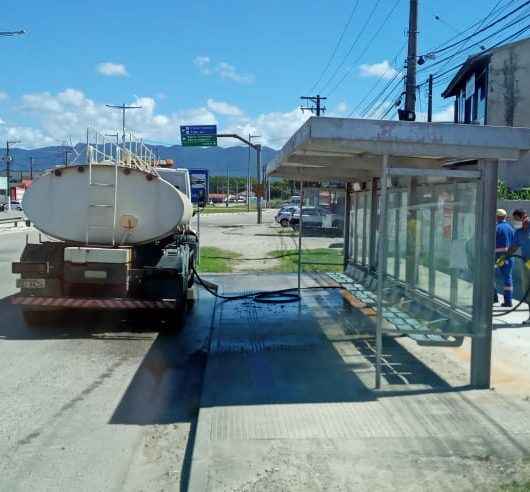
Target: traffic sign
x: 198, y: 135
x: 199, y: 186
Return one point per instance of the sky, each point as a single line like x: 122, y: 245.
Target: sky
x: 242, y: 65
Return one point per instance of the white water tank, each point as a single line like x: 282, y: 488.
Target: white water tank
x: 115, y: 205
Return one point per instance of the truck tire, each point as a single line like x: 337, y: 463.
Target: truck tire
x: 284, y: 222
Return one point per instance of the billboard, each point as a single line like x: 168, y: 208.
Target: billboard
x: 199, y: 186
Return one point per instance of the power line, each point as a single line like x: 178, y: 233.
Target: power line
x: 495, y: 9
x: 477, y: 43
x: 379, y: 80
x: 485, y: 28
x: 339, y: 41
x: 380, y: 94
x: 355, y: 41
x: 393, y: 94
x: 502, y: 41
x: 368, y: 45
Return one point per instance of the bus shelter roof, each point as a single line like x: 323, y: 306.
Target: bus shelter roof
x: 352, y: 149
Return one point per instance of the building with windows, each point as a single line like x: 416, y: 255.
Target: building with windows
x: 493, y: 88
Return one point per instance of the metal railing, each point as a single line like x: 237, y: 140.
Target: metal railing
x: 130, y: 152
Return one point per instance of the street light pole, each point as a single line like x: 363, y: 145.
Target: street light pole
x: 123, y: 107
x: 250, y: 137
x: 7, y: 158
x: 257, y: 148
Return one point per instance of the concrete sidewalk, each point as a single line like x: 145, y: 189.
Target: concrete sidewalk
x: 288, y: 404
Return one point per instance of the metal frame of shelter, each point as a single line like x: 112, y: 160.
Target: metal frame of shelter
x: 419, y: 226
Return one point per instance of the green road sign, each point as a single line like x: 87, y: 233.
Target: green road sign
x: 198, y: 136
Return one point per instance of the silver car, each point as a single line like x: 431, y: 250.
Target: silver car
x: 284, y: 215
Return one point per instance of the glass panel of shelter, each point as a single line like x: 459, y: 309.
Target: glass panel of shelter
x: 428, y: 274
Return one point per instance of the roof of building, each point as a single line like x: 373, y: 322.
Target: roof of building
x: 473, y: 64
x: 352, y: 149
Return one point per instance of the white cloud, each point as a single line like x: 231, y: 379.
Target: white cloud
x: 68, y: 114
x: 222, y: 69
x: 223, y: 108
x: 275, y: 128
x: 3, y: 96
x: 110, y: 69
x: 2, y: 122
x: 383, y: 70
x: 341, y: 108
x: 62, y: 116
x: 203, y: 64
x: 227, y: 71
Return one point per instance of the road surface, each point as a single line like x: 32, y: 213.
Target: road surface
x: 95, y: 403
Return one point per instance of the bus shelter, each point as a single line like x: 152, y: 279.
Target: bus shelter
x: 419, y: 222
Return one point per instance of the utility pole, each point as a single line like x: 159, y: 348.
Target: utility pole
x: 250, y: 137
x: 258, y: 184
x: 227, y: 184
x: 316, y: 100
x: 429, y: 100
x: 123, y: 108
x: 31, y: 168
x: 8, y: 158
x: 409, y: 113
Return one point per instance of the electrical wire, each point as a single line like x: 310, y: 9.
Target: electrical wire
x: 485, y: 28
x: 339, y: 41
x: 509, y: 38
x: 477, y: 43
x: 479, y: 23
x: 355, y: 41
x: 378, y: 81
x: 366, y: 48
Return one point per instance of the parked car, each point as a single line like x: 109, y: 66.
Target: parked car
x: 16, y: 205
x: 284, y: 215
x: 311, y: 216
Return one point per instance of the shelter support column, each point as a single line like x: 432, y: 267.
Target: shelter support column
x: 411, y: 267
x: 381, y: 267
x: 484, y: 275
x: 347, y: 224
x: 373, y: 253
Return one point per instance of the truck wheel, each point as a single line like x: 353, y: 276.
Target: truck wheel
x: 284, y: 222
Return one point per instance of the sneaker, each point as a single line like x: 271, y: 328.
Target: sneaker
x: 507, y: 304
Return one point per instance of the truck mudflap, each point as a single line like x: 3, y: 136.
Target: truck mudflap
x: 93, y: 303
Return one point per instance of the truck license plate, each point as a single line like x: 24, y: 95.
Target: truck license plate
x: 32, y: 283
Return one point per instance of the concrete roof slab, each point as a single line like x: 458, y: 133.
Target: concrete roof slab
x: 342, y: 146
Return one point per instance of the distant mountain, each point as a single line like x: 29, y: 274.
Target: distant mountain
x: 216, y: 159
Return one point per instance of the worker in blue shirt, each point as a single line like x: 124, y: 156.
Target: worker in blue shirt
x: 521, y: 226
x: 504, y: 264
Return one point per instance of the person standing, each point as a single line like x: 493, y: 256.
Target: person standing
x: 504, y: 239
x: 522, y: 240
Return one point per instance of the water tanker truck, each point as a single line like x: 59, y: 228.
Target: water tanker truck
x: 119, y: 238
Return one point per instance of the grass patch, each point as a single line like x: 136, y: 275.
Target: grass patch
x: 226, y: 210
x: 330, y: 260
x: 212, y: 263
x: 516, y: 487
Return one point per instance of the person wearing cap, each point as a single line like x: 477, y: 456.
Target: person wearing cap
x: 504, y: 241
